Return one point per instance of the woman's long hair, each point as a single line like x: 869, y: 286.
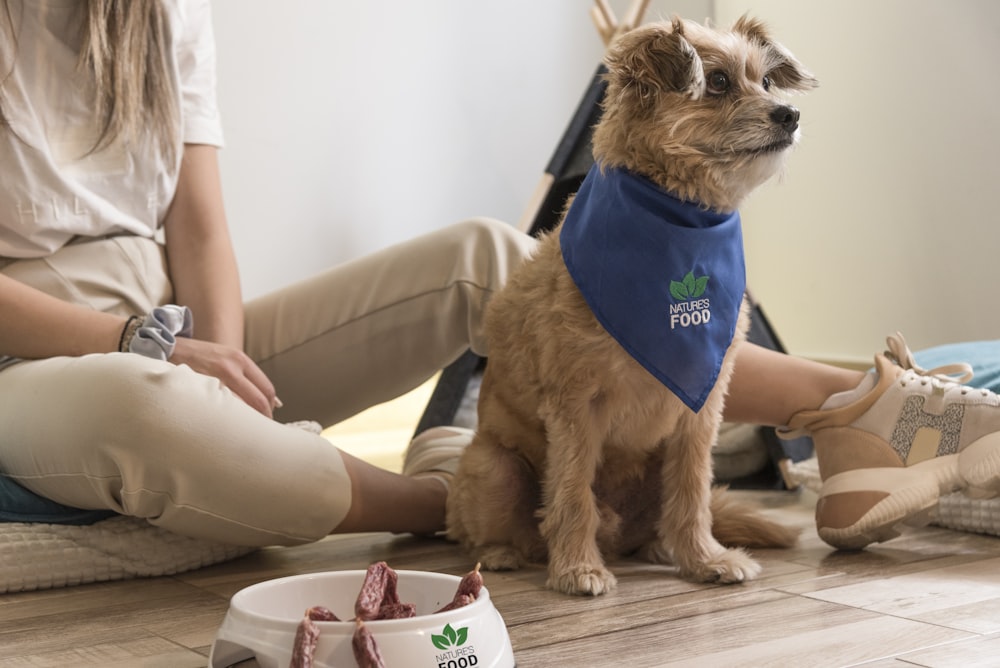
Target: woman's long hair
x: 125, y: 48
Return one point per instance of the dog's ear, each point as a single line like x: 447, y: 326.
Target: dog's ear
x: 653, y: 59
x: 785, y: 71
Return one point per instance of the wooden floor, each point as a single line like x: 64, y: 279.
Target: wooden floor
x: 928, y: 598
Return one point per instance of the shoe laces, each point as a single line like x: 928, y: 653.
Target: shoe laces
x: 942, y: 379
x: 945, y: 377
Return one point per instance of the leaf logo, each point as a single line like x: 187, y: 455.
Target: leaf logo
x: 688, y: 288
x: 450, y: 637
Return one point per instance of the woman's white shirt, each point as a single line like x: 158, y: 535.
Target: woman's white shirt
x: 53, y: 187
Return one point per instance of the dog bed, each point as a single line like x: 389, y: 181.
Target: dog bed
x: 38, y: 555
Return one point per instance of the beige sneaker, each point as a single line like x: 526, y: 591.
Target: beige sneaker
x: 434, y: 453
x: 890, y: 448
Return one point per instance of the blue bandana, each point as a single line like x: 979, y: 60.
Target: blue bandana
x: 663, y: 276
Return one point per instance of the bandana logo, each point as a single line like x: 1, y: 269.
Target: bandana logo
x: 689, y: 311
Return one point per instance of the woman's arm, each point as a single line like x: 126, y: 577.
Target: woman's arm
x: 202, y: 266
x: 203, y: 271
x: 200, y: 255
x: 36, y: 325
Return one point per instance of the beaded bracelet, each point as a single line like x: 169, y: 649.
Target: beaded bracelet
x: 128, y: 332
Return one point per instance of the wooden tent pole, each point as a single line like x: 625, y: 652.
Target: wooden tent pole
x: 605, y: 21
x: 608, y: 27
x: 633, y: 17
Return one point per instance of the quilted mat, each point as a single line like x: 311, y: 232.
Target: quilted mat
x: 44, y: 556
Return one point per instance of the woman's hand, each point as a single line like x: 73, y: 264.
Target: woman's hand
x: 231, y: 366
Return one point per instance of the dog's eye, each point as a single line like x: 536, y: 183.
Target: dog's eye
x: 717, y: 83
x: 767, y: 83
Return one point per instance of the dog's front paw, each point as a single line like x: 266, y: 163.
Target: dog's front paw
x: 727, y: 567
x: 582, y: 580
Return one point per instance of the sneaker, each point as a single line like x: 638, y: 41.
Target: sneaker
x: 435, y: 453
x: 889, y: 449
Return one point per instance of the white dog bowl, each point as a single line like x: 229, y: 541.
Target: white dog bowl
x: 262, y: 620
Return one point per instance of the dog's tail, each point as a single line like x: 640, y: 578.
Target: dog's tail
x: 738, y: 525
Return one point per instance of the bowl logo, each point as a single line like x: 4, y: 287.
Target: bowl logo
x: 456, y: 654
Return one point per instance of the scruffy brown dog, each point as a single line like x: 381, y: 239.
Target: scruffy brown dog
x: 600, y: 403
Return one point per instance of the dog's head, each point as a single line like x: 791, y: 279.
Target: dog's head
x: 697, y: 110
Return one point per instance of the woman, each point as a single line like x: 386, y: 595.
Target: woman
x: 134, y: 378
x: 190, y: 444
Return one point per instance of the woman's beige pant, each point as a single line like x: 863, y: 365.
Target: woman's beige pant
x: 150, y: 439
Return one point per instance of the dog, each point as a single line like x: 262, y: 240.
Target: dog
x: 589, y: 445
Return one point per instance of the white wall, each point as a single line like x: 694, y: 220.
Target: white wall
x: 885, y: 219
x: 351, y: 125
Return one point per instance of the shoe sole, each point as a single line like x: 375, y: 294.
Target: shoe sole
x: 979, y: 465
x: 912, y: 496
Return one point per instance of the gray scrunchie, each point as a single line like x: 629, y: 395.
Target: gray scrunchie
x: 156, y: 337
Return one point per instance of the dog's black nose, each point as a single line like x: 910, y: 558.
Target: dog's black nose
x: 786, y: 116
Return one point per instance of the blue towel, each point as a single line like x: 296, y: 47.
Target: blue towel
x: 983, y: 356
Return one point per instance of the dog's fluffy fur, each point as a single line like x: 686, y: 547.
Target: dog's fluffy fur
x: 580, y: 453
